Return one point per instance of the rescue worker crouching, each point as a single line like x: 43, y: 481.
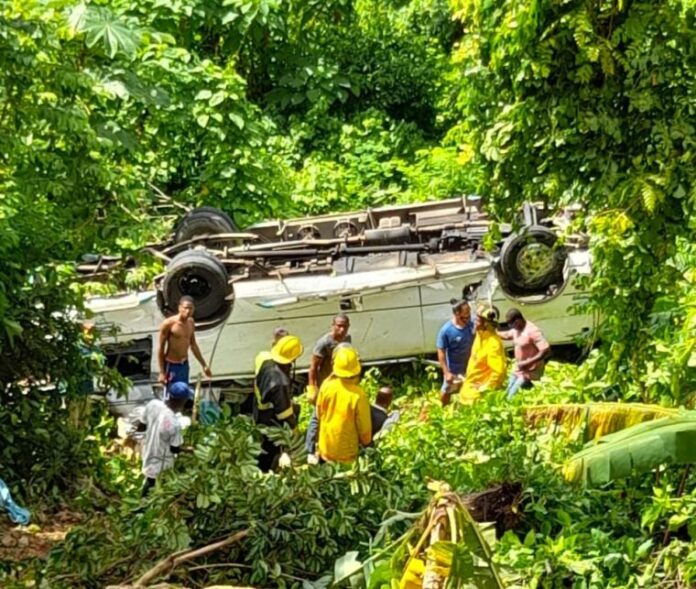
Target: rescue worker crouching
x: 273, y: 392
x: 343, y: 410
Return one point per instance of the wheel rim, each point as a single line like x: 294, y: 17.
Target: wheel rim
x: 535, y: 261
x: 345, y: 229
x: 194, y: 285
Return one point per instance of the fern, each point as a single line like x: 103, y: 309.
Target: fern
x: 651, y: 195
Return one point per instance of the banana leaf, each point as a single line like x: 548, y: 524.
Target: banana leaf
x: 636, y: 449
x: 597, y: 419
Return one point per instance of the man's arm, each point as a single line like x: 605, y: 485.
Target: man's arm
x: 543, y: 351
x: 441, y: 344
x: 281, y: 399
x: 319, y: 404
x: 313, y: 374
x: 197, y: 353
x: 506, y: 335
x: 313, y: 378
x: 441, y: 358
x: 165, y: 328
x: 176, y: 439
x: 142, y: 420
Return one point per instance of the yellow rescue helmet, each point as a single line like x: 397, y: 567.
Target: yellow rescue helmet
x: 287, y: 349
x: 346, y: 363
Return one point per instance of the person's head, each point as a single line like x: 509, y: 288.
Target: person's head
x: 461, y: 311
x: 339, y: 327
x: 179, y: 393
x: 186, y: 307
x: 515, y: 319
x: 346, y: 363
x: 385, y: 396
x: 486, y: 318
x: 278, y: 332
x: 286, y: 350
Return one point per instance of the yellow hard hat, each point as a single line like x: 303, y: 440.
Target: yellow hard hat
x: 346, y: 363
x: 287, y: 349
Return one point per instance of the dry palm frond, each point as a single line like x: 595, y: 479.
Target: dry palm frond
x: 451, y: 551
x: 597, y: 419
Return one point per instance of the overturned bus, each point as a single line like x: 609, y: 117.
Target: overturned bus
x: 392, y: 270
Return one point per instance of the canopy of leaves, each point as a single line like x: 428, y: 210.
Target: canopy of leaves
x: 593, y: 103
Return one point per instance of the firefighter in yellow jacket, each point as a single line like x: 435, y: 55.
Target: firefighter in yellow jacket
x: 488, y: 363
x: 343, y: 410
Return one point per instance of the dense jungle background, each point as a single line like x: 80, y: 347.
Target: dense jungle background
x: 116, y: 115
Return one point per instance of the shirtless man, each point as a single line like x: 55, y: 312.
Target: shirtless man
x: 176, y: 336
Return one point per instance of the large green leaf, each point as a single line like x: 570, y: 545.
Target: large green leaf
x: 635, y: 449
x: 100, y: 24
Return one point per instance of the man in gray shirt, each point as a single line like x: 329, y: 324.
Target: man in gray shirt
x: 320, y: 370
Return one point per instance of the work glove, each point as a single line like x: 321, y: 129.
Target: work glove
x: 284, y: 461
x: 312, y: 393
x: 312, y: 459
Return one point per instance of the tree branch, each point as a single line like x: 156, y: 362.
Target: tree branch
x: 174, y: 560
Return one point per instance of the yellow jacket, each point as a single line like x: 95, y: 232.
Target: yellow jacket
x: 487, y: 366
x: 343, y: 412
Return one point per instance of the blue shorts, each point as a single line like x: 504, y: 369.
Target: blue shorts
x: 176, y: 372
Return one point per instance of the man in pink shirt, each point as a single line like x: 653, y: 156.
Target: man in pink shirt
x: 531, y: 351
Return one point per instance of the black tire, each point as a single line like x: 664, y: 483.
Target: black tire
x: 529, y: 260
x: 203, y: 221
x: 200, y: 275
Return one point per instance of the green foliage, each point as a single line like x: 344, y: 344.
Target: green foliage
x: 43, y: 454
x: 304, y: 518
x: 642, y: 447
x: 591, y: 103
x: 118, y: 115
x: 298, y: 522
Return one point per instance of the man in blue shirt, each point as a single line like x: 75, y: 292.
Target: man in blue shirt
x: 454, y: 343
